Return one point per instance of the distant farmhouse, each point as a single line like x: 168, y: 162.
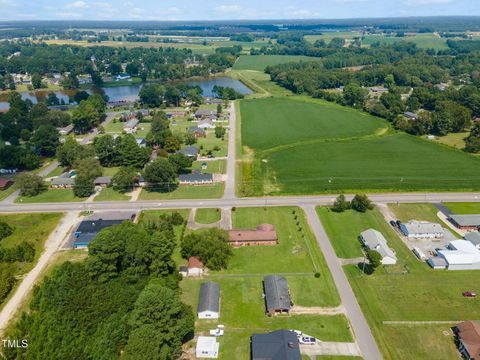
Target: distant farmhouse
x: 466, y: 222
x: 279, y: 344
x: 277, y: 296
x: 209, y: 301
x: 468, y: 339
x: 204, y: 113
x: 410, y: 115
x: 422, y: 229
x: 374, y: 240
x: 264, y: 234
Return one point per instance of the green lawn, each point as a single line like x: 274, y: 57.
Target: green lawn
x: 214, y: 167
x: 328, y: 357
x: 110, y: 171
x: 464, y: 208
x: 422, y: 294
x: 260, y: 62
x: 455, y: 140
x: 208, y: 216
x: 214, y: 191
x: 6, y: 193
x: 108, y: 194
x: 259, y: 82
x: 51, y: 195
x: 56, y: 172
x: 243, y: 314
x: 344, y: 229
x: 423, y: 212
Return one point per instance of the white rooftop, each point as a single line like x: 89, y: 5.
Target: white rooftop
x: 460, y: 252
x: 207, y: 344
x: 374, y: 240
x: 423, y: 227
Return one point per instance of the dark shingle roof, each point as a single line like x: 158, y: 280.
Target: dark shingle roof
x: 94, y: 226
x: 277, y: 345
x: 276, y: 293
x: 195, y: 177
x: 209, y: 299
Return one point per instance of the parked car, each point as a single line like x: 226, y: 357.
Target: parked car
x: 469, y: 294
x: 217, y: 332
x: 307, y: 340
x: 393, y: 223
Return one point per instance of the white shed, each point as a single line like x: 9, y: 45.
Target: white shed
x: 209, y: 301
x: 207, y: 347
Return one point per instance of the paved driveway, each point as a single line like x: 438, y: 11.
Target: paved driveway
x: 331, y: 348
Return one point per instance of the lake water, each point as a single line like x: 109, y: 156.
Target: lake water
x: 130, y: 92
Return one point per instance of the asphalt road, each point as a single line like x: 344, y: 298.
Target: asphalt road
x: 363, y: 335
x: 94, y: 132
x: 229, y: 202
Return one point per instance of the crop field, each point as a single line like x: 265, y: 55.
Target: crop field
x: 423, y: 41
x: 305, y: 147
x: 260, y: 62
x: 407, y: 298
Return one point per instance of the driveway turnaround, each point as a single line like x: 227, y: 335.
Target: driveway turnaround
x: 363, y: 335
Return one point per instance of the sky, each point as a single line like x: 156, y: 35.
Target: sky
x: 229, y: 9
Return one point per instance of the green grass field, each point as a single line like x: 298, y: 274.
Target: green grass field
x: 305, y: 146
x: 329, y: 35
x: 423, y: 41
x: 108, y: 194
x: 423, y: 212
x: 214, y: 191
x: 214, y: 167
x: 422, y: 294
x: 464, y: 208
x: 207, y: 216
x: 242, y: 306
x: 51, y: 195
x: 260, y: 62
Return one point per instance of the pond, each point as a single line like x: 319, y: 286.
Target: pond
x: 130, y: 92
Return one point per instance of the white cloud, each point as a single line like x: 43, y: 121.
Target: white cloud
x: 79, y: 5
x: 427, y: 2
x: 226, y: 9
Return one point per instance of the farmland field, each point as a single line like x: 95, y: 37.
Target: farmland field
x: 389, y: 296
x: 260, y: 62
x: 304, y: 146
x: 423, y: 41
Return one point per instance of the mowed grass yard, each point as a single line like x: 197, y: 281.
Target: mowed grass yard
x: 260, y: 62
x: 50, y: 195
x: 464, y: 208
x: 214, y: 191
x: 307, y: 146
x: 242, y: 305
x: 207, y: 216
x: 423, y: 294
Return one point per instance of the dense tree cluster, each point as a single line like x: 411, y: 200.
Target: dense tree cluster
x: 121, y: 151
x: 154, y: 95
x: 360, y: 203
x: 210, y: 245
x: 123, y: 301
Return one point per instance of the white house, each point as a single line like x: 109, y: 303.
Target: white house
x: 206, y: 125
x: 374, y: 240
x: 207, y: 347
x: 209, y: 301
x: 461, y: 255
x: 421, y: 229
x: 195, y: 266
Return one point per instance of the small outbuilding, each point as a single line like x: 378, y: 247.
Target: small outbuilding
x: 207, y: 347
x: 195, y: 266
x: 209, y: 301
x: 277, y: 296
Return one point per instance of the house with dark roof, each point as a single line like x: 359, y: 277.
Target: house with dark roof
x: 410, y: 115
x: 102, y: 181
x: 277, y: 296
x: 198, y: 132
x: 88, y: 229
x: 203, y: 113
x: 466, y: 222
x: 468, y: 339
x: 189, y: 151
x: 195, y: 178
x: 276, y: 345
x: 264, y: 234
x: 209, y: 301
x: 62, y: 182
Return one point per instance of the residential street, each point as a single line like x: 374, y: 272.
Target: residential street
x: 362, y: 333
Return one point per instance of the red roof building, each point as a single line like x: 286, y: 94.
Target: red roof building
x: 468, y: 335
x: 264, y: 234
x: 5, y: 183
x: 195, y: 263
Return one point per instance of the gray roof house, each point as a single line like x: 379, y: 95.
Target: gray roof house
x: 204, y: 112
x: 410, y: 115
x: 63, y: 182
x: 277, y: 345
x: 277, y: 296
x: 421, y: 229
x: 374, y: 240
x: 473, y: 237
x: 195, y: 178
x: 469, y: 221
x: 102, y: 180
x: 209, y: 301
x: 189, y: 151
